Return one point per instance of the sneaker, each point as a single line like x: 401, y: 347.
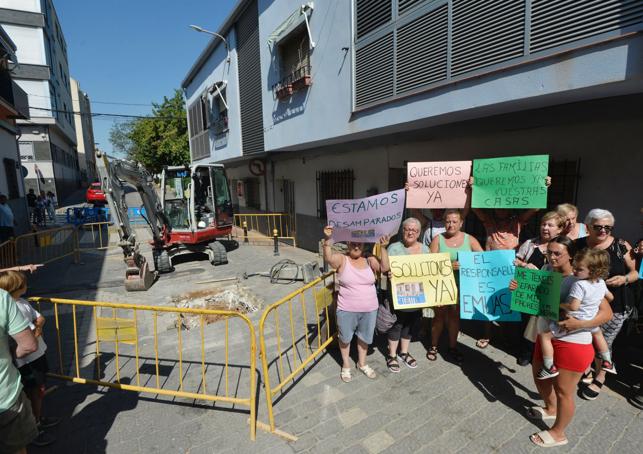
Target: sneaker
x: 523, y: 361
x: 48, y: 421
x: 545, y: 373
x: 43, y: 439
x: 608, y: 367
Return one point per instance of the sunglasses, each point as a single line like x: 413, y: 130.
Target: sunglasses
x: 554, y: 253
x: 598, y: 228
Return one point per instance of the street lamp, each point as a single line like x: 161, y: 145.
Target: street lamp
x: 225, y: 42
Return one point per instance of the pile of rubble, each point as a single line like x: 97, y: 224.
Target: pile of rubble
x: 236, y: 298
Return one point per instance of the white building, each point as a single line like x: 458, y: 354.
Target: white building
x: 48, y: 139
x: 84, y: 133
x: 331, y: 99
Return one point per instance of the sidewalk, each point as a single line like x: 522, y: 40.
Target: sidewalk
x: 438, y: 407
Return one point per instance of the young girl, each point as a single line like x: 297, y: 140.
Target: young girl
x: 33, y: 367
x: 590, y: 268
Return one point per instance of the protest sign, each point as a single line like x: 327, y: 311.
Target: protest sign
x: 514, y: 182
x: 538, y: 292
x: 438, y: 184
x: 366, y: 220
x: 422, y: 280
x: 484, y: 286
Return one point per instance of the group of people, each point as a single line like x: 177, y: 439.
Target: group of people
x: 599, y: 274
x: 23, y: 366
x: 41, y: 207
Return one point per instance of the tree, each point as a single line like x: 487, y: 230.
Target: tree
x: 158, y: 140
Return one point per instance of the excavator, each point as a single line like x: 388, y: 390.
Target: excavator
x: 190, y: 211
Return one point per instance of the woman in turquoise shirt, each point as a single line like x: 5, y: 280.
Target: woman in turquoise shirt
x: 452, y: 241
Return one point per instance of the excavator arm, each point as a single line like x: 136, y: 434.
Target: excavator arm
x: 115, y: 173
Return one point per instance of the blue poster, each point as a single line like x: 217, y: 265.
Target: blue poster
x: 484, y: 282
x: 641, y: 271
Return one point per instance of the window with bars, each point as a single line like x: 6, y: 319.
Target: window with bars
x: 408, y: 46
x: 252, y: 192
x: 331, y: 185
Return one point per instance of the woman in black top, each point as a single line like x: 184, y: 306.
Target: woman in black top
x: 622, y: 274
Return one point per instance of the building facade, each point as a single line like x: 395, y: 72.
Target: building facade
x: 14, y: 105
x: 84, y: 133
x: 352, y: 90
x: 48, y: 139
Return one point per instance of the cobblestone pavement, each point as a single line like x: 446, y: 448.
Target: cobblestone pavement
x: 438, y: 407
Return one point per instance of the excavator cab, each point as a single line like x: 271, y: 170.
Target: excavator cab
x: 197, y: 202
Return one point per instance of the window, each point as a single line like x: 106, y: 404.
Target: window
x: 12, y: 179
x: 219, y: 111
x: 294, y: 62
x: 334, y: 184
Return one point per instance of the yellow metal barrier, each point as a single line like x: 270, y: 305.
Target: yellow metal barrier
x: 94, y: 235
x: 100, y: 338
x: 45, y: 246
x: 8, y: 254
x: 303, y: 342
x: 260, y: 227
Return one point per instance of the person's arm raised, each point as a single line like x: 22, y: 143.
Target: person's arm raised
x: 333, y: 259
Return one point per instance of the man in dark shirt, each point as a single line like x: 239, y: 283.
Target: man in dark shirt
x: 31, y: 204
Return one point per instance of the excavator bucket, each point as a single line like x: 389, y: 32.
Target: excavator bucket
x: 138, y: 277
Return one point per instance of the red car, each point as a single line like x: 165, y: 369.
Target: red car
x: 95, y: 195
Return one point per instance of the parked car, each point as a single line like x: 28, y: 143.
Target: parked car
x: 95, y: 194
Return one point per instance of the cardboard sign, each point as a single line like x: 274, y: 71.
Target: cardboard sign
x: 366, y: 220
x: 422, y: 280
x: 484, y: 286
x: 538, y: 292
x: 438, y: 184
x: 514, y: 182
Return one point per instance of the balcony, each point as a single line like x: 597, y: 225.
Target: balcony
x: 299, y: 79
x: 14, y: 102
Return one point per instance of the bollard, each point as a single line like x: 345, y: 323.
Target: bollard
x: 275, y: 238
x: 245, y: 232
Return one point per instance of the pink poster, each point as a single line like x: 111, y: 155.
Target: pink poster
x: 440, y: 184
x: 366, y: 220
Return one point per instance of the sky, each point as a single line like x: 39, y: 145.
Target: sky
x: 134, y: 51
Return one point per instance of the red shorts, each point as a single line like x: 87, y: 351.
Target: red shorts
x: 567, y: 355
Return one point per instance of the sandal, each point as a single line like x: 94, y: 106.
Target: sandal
x: 545, y: 440
x: 367, y: 370
x: 392, y: 364
x: 539, y: 414
x: 346, y: 375
x: 455, y: 354
x: 432, y: 354
x: 587, y: 378
x: 589, y: 393
x: 482, y: 343
x: 410, y: 362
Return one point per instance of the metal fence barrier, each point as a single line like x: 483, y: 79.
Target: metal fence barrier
x: 46, y: 246
x: 263, y: 228
x: 109, y: 344
x: 307, y: 331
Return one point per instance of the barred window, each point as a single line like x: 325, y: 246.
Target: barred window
x: 331, y: 185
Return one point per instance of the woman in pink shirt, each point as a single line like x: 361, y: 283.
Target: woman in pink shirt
x: 356, y: 301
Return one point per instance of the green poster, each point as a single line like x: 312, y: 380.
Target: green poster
x: 513, y: 182
x: 538, y: 292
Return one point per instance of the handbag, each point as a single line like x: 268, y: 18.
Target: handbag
x: 386, y: 318
x: 531, y: 330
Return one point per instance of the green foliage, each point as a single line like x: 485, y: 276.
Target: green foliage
x: 157, y: 141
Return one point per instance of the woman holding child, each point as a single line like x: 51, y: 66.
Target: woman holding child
x: 573, y: 353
